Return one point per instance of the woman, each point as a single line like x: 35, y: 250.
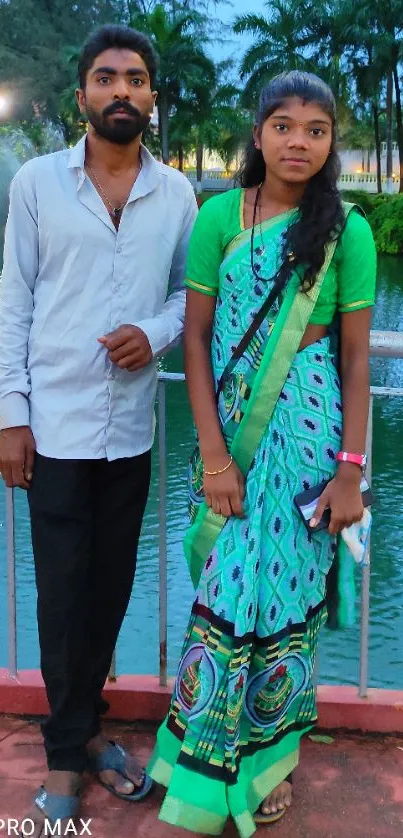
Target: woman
x: 270, y: 424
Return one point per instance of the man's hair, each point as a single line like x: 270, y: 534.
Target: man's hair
x: 116, y: 37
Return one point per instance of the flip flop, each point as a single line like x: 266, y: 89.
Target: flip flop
x: 56, y: 807
x: 263, y: 819
x: 114, y: 758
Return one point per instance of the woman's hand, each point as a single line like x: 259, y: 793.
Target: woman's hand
x: 343, y: 496
x: 224, y: 493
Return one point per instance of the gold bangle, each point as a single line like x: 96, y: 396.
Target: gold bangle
x: 220, y: 470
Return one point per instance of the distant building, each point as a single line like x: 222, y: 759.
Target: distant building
x: 358, y: 161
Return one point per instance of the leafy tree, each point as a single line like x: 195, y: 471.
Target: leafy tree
x: 34, y: 35
x: 184, y: 66
x: 219, y: 125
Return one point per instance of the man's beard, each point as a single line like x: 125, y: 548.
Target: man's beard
x: 119, y: 131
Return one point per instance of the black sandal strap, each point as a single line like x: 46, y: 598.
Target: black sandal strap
x: 289, y: 779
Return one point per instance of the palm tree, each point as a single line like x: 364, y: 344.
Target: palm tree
x: 184, y: 65
x: 349, y: 35
x: 219, y: 124
x: 387, y: 23
x: 282, y: 41
x: 180, y: 132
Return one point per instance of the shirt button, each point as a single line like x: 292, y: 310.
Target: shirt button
x: 119, y: 249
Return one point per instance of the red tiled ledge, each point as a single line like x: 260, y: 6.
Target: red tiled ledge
x: 140, y: 698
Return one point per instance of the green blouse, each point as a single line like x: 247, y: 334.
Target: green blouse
x: 348, y: 285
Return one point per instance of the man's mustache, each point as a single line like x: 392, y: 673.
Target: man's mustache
x: 121, y: 106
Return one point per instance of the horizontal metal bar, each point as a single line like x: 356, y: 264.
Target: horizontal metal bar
x: 382, y: 344
x: 386, y: 344
x: 386, y: 391
x: 171, y: 376
x: 375, y: 391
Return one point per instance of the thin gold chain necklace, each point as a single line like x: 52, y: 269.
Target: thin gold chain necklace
x: 114, y: 211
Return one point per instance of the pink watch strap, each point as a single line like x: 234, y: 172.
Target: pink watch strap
x: 345, y: 457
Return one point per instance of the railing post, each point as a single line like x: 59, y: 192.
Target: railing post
x: 162, y: 535
x: 365, y: 582
x: 11, y: 599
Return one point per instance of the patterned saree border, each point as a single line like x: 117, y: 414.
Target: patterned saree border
x: 261, y: 774
x: 218, y: 772
x: 178, y: 813
x: 228, y: 627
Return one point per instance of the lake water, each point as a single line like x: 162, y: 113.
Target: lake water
x: 137, y: 650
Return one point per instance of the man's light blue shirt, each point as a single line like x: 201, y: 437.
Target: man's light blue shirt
x: 69, y: 277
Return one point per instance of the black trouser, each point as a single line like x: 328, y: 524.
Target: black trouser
x: 85, y: 517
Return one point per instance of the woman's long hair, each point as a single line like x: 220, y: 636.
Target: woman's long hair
x: 321, y: 218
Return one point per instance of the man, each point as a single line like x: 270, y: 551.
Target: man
x: 94, y: 236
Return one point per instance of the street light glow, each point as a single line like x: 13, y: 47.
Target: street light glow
x: 4, y: 104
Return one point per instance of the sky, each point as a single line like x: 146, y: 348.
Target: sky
x: 227, y: 12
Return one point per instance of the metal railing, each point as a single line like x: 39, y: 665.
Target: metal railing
x: 383, y: 344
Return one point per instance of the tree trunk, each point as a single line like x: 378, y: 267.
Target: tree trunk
x: 368, y: 160
x: 199, y: 167
x: 163, y: 127
x: 181, y: 157
x: 399, y: 124
x: 375, y: 112
x: 389, y: 132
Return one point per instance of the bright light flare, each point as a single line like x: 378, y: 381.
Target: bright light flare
x: 4, y: 104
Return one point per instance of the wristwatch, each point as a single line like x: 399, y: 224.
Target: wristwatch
x: 357, y: 459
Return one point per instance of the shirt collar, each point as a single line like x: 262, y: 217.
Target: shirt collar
x: 146, y: 182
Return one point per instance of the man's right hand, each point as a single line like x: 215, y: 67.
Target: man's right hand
x: 17, y: 455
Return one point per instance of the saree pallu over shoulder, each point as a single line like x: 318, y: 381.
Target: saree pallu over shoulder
x: 281, y: 347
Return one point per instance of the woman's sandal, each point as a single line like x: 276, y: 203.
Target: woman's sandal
x: 114, y: 758
x: 263, y: 819
x: 56, y: 807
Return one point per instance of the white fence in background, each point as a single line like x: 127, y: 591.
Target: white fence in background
x: 218, y: 181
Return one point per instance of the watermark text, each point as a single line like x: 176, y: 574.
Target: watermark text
x: 27, y: 827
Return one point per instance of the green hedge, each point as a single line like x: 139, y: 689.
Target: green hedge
x: 385, y: 215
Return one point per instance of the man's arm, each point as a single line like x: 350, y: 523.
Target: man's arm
x: 163, y: 330
x: 133, y: 346
x: 20, y: 269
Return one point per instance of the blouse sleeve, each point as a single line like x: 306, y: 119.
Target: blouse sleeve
x: 205, y: 251
x: 357, y: 265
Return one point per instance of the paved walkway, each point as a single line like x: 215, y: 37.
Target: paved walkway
x: 351, y: 788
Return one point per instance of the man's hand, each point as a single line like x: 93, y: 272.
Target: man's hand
x: 17, y: 454
x: 128, y: 348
